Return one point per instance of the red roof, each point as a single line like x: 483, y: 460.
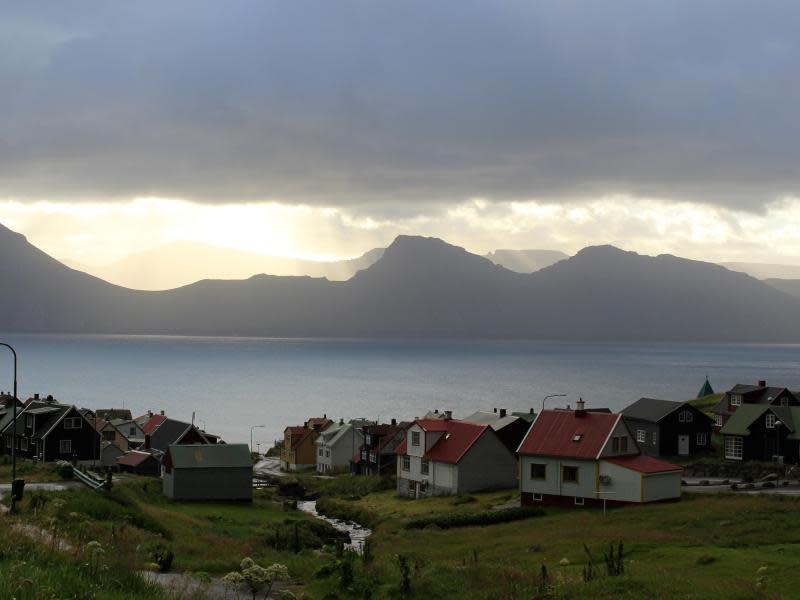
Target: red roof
x: 153, y: 422
x: 133, y: 458
x: 298, y: 433
x: 458, y: 437
x: 644, y: 464
x: 569, y: 433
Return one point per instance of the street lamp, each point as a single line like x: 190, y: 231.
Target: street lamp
x: 14, y: 415
x: 251, y: 434
x: 552, y: 396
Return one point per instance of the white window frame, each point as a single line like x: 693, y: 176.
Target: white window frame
x: 718, y: 420
x: 415, y: 438
x: 685, y: 416
x: 580, y: 500
x: 537, y: 497
x: 736, y: 400
x: 734, y: 447
x: 70, y: 423
x: 319, y: 451
x: 29, y: 420
x: 61, y: 446
x: 641, y: 436
x: 701, y: 439
x: 8, y: 441
x: 425, y: 467
x: 23, y: 443
x: 770, y: 420
x: 406, y: 463
x: 654, y: 438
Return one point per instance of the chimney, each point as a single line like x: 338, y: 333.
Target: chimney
x: 502, y: 412
x: 436, y: 411
x: 495, y: 409
x: 36, y: 396
x: 394, y: 421
x: 149, y: 413
x: 324, y: 415
x: 762, y: 383
x: 162, y: 413
x: 147, y: 441
x: 341, y: 421
x: 530, y: 412
x: 448, y: 414
x: 580, y: 407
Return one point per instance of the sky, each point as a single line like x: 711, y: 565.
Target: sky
x: 323, y: 129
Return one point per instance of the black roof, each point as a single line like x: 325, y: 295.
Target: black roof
x: 47, y: 415
x: 651, y: 409
x: 168, y: 433
x: 752, y: 394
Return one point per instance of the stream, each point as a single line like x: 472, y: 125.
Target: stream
x: 358, y: 534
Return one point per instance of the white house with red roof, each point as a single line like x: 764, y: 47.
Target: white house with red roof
x: 583, y: 458
x: 445, y: 456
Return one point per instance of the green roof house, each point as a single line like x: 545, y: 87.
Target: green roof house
x: 763, y: 432
x: 208, y: 472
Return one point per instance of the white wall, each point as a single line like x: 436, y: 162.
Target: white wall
x: 662, y: 486
x: 585, y: 487
x: 625, y: 483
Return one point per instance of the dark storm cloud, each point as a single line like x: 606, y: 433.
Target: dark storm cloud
x: 373, y: 102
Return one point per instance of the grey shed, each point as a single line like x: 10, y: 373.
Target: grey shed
x: 208, y: 472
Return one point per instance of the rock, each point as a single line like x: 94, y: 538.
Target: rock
x: 564, y: 562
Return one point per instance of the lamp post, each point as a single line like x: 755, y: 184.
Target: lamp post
x: 552, y: 396
x: 778, y: 451
x: 14, y: 416
x: 251, y: 434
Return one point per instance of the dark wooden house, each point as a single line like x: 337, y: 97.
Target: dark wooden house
x: 742, y: 394
x: 377, y: 455
x: 48, y: 431
x: 762, y: 432
x: 667, y: 428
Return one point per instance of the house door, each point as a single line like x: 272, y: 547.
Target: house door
x: 683, y: 445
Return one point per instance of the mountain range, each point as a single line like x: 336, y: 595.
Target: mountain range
x: 421, y: 287
x: 180, y: 263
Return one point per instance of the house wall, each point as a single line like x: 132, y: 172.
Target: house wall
x: 661, y: 486
x: 441, y: 480
x: 552, y: 484
x: 209, y: 484
x: 339, y: 454
x: 763, y: 443
x: 672, y: 428
x: 625, y: 484
x: 109, y: 455
x: 636, y: 425
x: 620, y: 430
x: 487, y: 465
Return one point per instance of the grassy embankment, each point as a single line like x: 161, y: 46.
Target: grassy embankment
x: 701, y: 547
x: 28, y: 470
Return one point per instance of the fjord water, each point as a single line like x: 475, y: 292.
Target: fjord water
x: 233, y: 383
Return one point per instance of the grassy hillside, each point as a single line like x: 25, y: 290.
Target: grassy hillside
x: 706, y: 403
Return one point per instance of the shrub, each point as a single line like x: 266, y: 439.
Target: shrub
x: 489, y: 517
x: 160, y: 554
x: 64, y: 470
x: 296, y: 535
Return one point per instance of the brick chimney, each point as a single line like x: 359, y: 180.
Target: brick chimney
x: 580, y: 407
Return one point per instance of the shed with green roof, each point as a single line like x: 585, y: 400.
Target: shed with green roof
x: 208, y: 472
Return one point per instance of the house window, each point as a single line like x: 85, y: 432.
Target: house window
x: 363, y: 455
x: 24, y: 444
x: 701, y: 439
x: 415, y: 438
x: 569, y: 474
x: 619, y: 444
x: 784, y: 401
x: 537, y: 497
x: 132, y: 431
x: 373, y: 457
x: 579, y: 501
x: 327, y: 453
x: 655, y: 438
x: 718, y: 420
x: 771, y: 421
x: 641, y: 436
x: 8, y: 441
x: 685, y: 416
x: 538, y: 471
x: 368, y: 439
x: 65, y: 446
x: 406, y: 463
x: 736, y: 400
x: 733, y: 447
x: 29, y: 421
x: 319, y: 452
x: 72, y: 423
x: 425, y: 467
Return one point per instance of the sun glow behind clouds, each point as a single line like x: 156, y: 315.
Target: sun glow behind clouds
x: 101, y: 233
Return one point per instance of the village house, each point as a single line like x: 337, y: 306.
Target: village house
x: 299, y: 450
x: 762, y: 432
x: 110, y: 434
x: 509, y: 428
x: 448, y: 456
x: 742, y: 394
x: 667, y: 428
x: 109, y: 453
x: 376, y: 455
x: 208, y: 472
x: 336, y: 445
x: 586, y: 458
x: 7, y: 402
x: 131, y: 430
x: 48, y: 431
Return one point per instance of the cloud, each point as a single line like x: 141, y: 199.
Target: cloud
x: 381, y: 104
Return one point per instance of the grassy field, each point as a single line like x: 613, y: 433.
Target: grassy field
x: 28, y: 470
x: 702, y: 547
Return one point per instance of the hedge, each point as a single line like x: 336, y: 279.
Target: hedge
x: 489, y: 517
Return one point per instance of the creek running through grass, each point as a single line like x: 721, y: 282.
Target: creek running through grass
x: 358, y: 533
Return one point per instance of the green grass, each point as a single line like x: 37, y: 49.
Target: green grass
x: 28, y: 470
x: 706, y: 403
x: 701, y: 547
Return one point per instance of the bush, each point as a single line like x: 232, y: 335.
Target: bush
x: 296, y: 535
x: 489, y: 517
x: 160, y: 554
x: 64, y: 470
x: 337, y: 509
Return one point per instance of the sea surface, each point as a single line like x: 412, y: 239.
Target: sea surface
x: 231, y: 384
